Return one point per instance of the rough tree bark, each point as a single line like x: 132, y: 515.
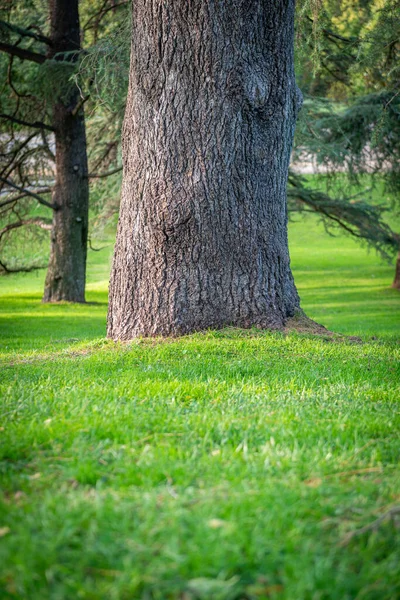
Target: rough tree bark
x: 210, y: 117
x: 66, y: 272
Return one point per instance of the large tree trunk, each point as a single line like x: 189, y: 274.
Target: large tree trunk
x: 209, y: 124
x: 67, y: 267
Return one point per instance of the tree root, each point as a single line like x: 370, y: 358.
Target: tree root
x: 300, y: 323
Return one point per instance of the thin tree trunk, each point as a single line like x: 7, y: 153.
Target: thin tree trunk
x: 209, y: 124
x: 396, y: 281
x: 67, y: 266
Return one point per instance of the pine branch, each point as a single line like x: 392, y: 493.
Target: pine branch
x: 42, y: 223
x: 22, y: 53
x: 100, y: 14
x: 23, y: 195
x: 46, y: 146
x: 26, y: 33
x: 7, y: 270
x: 98, y: 175
x: 79, y: 105
x: 29, y: 193
x: 36, y: 124
x: 94, y: 249
x: 332, y: 34
x: 359, y: 219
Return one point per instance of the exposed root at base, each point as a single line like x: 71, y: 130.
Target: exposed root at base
x: 300, y: 323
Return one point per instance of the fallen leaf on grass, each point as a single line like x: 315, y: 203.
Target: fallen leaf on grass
x: 4, y: 531
x: 259, y: 590
x: 207, y: 587
x: 105, y: 572
x: 356, y: 472
x: 217, y: 523
x: 314, y: 482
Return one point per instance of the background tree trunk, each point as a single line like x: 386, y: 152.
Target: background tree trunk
x: 66, y: 273
x: 208, y: 131
x: 396, y: 280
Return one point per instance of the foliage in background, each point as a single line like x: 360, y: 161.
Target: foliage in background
x: 350, y: 129
x: 26, y: 138
x: 348, y: 70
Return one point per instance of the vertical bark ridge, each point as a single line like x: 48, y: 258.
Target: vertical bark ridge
x: 66, y: 272
x: 208, y: 130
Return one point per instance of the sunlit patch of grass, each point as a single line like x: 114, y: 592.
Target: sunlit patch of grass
x: 220, y: 465
x: 224, y: 465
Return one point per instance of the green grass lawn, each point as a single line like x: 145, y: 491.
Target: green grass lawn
x: 226, y: 465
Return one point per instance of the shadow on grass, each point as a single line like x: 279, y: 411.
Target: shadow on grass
x: 37, y: 332
x: 27, y: 324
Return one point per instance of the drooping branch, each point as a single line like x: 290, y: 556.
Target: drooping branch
x: 29, y: 193
x: 363, y: 138
x: 42, y: 223
x: 332, y: 34
x: 11, y: 83
x: 334, y: 75
x: 46, y: 190
x: 79, y: 105
x: 97, y: 17
x: 14, y: 151
x: 10, y: 201
x: 7, y: 270
x: 359, y: 219
x: 26, y: 33
x: 107, y: 174
x: 46, y: 146
x: 95, y: 249
x: 22, y: 53
x: 35, y: 124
